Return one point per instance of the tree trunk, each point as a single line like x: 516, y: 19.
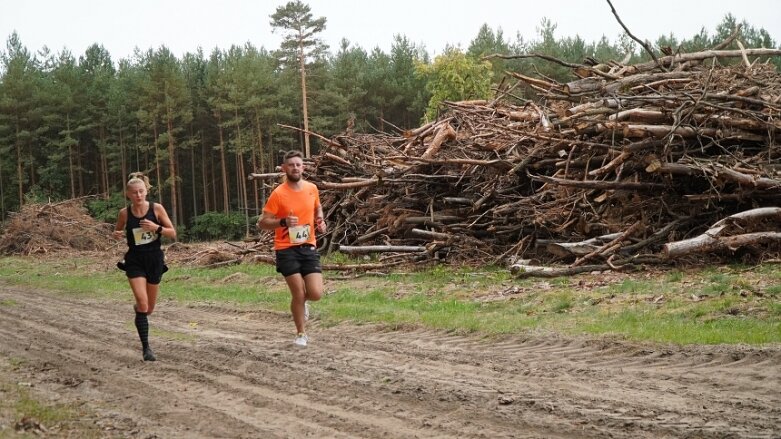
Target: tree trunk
x: 2, y: 194
x: 192, y: 172
x: 179, y: 188
x: 172, y: 166
x: 122, y: 152
x: 79, y: 169
x: 241, y: 179
x: 71, y: 171
x: 157, y: 164
x: 19, y: 168
x: 303, y: 97
x: 206, y: 165
x: 258, y: 166
x: 104, y: 162
x: 224, y: 166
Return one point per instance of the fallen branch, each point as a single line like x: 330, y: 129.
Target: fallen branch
x: 352, y: 250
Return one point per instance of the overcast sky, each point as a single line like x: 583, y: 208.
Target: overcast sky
x: 185, y: 25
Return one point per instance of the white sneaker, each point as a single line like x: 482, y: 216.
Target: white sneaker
x: 306, y: 310
x: 301, y: 340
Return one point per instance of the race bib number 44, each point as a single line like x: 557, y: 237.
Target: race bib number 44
x: 299, y: 234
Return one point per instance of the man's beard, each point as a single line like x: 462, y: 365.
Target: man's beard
x: 294, y: 178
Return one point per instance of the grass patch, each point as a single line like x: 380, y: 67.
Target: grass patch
x: 774, y: 290
x: 7, y: 302
x: 653, y: 325
x: 632, y: 286
x: 20, y: 405
x: 716, y: 305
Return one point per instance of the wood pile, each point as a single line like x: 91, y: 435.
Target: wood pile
x: 63, y: 227
x: 603, y: 172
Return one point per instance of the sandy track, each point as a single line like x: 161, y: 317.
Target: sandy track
x: 229, y: 373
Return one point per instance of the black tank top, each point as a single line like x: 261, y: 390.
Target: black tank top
x: 138, y: 239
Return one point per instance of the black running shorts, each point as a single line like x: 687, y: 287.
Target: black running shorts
x: 150, y: 265
x: 300, y: 259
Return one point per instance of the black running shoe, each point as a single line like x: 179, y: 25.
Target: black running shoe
x: 149, y: 355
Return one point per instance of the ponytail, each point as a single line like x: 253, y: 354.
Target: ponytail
x: 138, y: 177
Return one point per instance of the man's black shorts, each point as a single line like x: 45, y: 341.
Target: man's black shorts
x: 302, y: 259
x: 150, y: 265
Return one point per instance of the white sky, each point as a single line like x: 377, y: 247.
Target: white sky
x: 184, y: 25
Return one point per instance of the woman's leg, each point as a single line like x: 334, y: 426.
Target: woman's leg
x: 139, y: 287
x: 143, y: 307
x: 151, y: 294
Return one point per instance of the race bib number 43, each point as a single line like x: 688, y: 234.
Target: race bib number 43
x: 299, y: 234
x: 142, y: 237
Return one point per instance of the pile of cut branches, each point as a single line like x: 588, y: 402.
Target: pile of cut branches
x: 54, y: 228
x: 603, y: 172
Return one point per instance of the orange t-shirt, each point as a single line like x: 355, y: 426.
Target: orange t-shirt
x: 303, y: 204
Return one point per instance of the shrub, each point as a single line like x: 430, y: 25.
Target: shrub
x: 107, y: 210
x: 218, y: 225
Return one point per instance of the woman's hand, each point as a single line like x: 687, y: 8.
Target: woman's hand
x: 149, y: 226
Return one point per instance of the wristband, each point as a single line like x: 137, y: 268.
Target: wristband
x: 159, y: 230
x: 283, y: 222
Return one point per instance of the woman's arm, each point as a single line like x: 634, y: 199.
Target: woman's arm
x: 119, y: 229
x: 169, y: 231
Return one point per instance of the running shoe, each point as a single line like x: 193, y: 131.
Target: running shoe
x: 149, y: 355
x: 301, y: 340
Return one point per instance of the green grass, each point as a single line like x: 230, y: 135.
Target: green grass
x: 182, y: 284
x: 774, y: 290
x: 18, y: 402
x: 652, y: 325
x: 731, y: 304
x: 7, y: 302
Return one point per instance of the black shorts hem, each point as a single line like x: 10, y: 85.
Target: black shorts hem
x: 149, y: 265
x: 302, y: 259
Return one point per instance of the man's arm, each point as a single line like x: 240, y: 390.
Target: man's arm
x: 320, y: 218
x: 268, y: 221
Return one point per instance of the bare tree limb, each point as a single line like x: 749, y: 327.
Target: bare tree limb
x: 642, y: 43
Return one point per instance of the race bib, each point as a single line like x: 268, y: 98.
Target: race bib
x: 299, y: 234
x: 142, y: 237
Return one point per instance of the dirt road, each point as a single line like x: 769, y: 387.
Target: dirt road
x: 229, y: 373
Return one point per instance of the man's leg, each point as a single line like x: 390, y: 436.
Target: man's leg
x: 313, y: 286
x: 297, y: 296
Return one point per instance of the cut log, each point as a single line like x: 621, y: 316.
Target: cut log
x: 428, y: 234
x: 712, y: 239
x: 269, y: 175
x: 354, y: 250
x: 605, y: 185
x: 564, y: 249
x: 444, y: 133
x: 706, y: 243
x: 523, y: 270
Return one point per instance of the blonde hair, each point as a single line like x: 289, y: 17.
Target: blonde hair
x: 138, y: 177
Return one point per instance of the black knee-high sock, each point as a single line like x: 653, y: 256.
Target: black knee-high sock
x: 142, y: 325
